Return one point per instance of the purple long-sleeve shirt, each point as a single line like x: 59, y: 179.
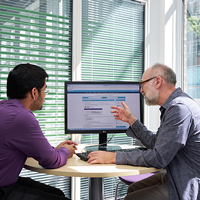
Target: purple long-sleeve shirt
x: 22, y: 137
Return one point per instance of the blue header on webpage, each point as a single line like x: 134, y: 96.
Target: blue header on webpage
x: 103, y: 91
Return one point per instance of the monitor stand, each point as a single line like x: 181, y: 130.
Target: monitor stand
x: 102, y: 144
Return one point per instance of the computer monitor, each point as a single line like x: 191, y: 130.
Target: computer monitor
x: 88, y: 107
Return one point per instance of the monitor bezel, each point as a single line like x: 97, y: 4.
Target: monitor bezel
x: 100, y: 131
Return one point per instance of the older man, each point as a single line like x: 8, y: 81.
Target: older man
x: 175, y: 146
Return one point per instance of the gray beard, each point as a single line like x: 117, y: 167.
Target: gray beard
x: 151, y: 99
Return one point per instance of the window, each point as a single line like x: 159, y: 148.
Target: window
x: 193, y: 48
x: 39, y: 32
x: 112, y: 50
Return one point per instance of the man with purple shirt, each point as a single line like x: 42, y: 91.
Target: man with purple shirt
x: 22, y: 137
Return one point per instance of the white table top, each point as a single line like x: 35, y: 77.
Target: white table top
x: 76, y: 167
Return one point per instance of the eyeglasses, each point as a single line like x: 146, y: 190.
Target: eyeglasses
x: 46, y: 92
x: 142, y: 82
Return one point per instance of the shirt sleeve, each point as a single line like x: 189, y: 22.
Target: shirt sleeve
x: 169, y: 139
x: 139, y: 131
x: 28, y: 137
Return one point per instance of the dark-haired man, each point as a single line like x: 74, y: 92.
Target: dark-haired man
x: 21, y: 137
x: 175, y: 146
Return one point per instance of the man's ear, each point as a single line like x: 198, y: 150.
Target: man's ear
x: 34, y: 93
x: 159, y: 82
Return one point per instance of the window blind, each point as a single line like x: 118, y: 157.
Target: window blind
x: 112, y: 50
x: 39, y: 32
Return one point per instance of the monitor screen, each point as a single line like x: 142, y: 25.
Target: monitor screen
x: 88, y: 106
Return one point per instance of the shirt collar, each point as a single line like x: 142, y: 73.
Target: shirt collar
x: 172, y: 96
x: 16, y: 102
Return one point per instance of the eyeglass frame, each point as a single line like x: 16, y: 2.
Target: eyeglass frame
x: 142, y: 82
x: 46, y: 91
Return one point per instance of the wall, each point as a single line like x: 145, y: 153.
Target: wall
x: 163, y: 44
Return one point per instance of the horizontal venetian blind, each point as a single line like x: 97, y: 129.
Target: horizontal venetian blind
x: 39, y: 32
x: 112, y: 40
x: 112, y: 50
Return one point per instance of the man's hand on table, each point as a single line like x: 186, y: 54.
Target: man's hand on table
x: 102, y: 157
x: 70, y: 145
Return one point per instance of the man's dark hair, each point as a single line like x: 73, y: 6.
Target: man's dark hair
x: 23, y: 78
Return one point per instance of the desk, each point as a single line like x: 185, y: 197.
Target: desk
x: 78, y: 168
